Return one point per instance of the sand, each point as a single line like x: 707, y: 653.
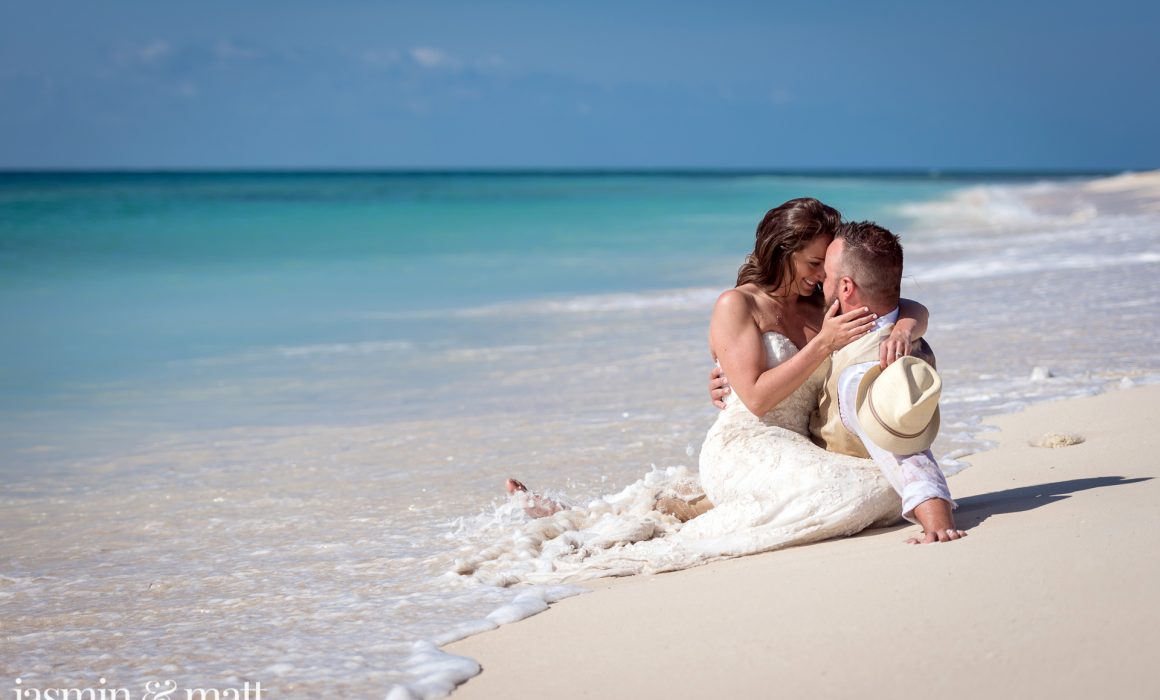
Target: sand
x: 1053, y: 594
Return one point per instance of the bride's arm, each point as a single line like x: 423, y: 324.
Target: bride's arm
x: 912, y: 319
x: 736, y: 340
x: 910, y: 326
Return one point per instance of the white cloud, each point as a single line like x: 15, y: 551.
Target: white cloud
x: 155, y: 52
x: 432, y: 58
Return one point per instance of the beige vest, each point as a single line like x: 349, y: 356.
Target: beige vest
x: 826, y: 427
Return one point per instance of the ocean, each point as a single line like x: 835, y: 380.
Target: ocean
x: 250, y: 421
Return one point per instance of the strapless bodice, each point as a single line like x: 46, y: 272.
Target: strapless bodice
x: 793, y: 413
x: 778, y: 348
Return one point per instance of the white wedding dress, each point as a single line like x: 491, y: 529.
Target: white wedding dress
x: 769, y: 467
x: 770, y: 485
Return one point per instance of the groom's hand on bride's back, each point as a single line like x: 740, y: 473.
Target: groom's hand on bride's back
x: 718, y: 387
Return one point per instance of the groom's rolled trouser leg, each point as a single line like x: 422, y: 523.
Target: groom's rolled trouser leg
x: 917, y: 478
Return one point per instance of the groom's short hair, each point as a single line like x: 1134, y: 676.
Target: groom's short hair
x: 872, y: 257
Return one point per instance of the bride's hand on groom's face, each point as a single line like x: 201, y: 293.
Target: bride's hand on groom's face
x: 839, y: 330
x: 897, y: 345
x: 718, y: 387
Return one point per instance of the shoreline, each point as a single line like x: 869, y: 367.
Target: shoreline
x: 308, y: 432
x: 1048, y: 595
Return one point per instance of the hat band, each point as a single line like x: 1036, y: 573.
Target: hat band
x: 887, y: 428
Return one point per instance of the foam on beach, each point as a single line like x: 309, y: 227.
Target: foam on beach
x: 438, y: 672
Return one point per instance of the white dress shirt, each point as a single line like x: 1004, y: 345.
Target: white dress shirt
x: 915, y: 477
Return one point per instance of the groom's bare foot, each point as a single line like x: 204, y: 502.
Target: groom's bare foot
x: 536, y: 506
x: 938, y: 524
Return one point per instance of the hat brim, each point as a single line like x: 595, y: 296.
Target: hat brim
x: 884, y: 438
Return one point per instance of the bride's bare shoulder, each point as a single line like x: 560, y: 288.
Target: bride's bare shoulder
x: 746, y: 296
x: 734, y: 301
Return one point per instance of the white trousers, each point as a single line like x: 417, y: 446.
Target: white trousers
x: 916, y: 477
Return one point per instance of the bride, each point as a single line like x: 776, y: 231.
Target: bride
x: 762, y: 483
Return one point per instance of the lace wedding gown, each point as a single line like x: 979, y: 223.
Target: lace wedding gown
x: 766, y: 474
x: 770, y: 485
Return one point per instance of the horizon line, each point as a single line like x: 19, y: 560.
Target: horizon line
x: 933, y: 173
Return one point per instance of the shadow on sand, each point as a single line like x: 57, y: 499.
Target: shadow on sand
x: 973, y: 510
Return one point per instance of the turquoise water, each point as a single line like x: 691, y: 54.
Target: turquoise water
x: 115, y: 288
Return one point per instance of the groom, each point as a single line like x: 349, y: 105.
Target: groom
x: 889, y: 415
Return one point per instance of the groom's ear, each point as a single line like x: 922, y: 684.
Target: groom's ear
x: 846, y: 286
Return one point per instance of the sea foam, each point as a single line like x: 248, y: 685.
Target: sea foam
x: 438, y: 672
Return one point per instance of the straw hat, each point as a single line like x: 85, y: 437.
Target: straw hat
x: 898, y: 406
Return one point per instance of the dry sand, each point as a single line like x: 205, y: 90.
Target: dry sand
x: 1053, y: 594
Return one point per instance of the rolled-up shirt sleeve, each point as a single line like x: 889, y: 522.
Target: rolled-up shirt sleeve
x: 915, y: 477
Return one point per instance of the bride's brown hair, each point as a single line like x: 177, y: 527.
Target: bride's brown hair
x: 783, y: 231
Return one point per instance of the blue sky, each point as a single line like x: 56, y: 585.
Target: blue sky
x: 1037, y: 85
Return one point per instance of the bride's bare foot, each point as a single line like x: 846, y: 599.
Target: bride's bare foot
x: 938, y: 524
x: 536, y: 506
x: 684, y: 510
